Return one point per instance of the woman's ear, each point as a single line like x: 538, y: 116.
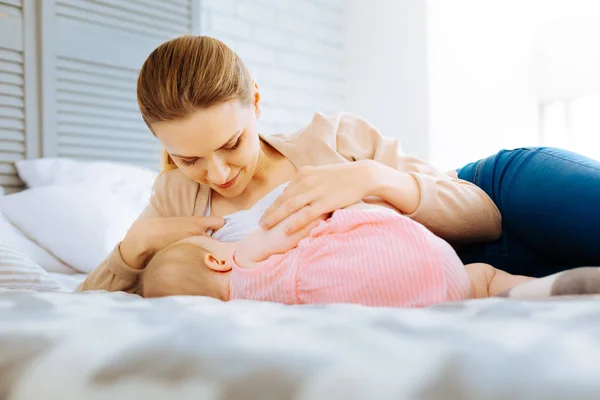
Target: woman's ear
x: 215, y: 264
x: 256, y: 99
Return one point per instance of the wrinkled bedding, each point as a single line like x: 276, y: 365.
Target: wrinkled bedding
x: 118, y: 346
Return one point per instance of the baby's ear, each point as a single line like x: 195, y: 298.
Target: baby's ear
x: 216, y: 264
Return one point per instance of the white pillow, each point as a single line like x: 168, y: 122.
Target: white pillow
x: 78, y: 224
x: 16, y: 239
x: 19, y: 272
x: 129, y: 182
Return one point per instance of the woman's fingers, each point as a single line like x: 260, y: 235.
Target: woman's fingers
x: 183, y: 227
x: 290, y: 191
x: 286, y: 205
x: 303, y: 217
x: 212, y: 222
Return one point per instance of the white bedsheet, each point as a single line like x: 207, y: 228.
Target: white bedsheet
x: 69, y: 281
x: 112, y: 345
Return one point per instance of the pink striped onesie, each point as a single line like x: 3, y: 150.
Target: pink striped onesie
x: 374, y: 258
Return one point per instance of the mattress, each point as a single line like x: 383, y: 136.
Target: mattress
x: 113, y: 345
x: 68, y: 281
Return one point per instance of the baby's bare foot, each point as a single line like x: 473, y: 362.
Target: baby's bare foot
x: 487, y: 281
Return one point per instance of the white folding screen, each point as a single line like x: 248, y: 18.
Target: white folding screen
x: 68, y: 71
x: 18, y: 89
x: 92, y: 51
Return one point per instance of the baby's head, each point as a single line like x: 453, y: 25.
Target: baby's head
x: 196, y: 266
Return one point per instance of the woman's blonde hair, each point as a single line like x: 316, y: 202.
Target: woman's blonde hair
x: 186, y: 74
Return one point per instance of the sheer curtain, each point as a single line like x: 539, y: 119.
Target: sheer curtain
x: 568, y: 72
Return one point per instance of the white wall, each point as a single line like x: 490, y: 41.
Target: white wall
x: 482, y: 94
x: 294, y: 50
x: 386, y: 68
x: 454, y: 80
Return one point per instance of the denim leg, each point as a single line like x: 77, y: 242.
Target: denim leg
x: 550, y: 205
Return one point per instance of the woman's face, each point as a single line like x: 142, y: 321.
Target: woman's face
x: 218, y: 146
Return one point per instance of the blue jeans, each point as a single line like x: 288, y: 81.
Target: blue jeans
x: 550, y: 205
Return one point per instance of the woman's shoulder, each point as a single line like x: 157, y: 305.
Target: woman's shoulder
x: 328, y: 138
x: 175, y: 194
x: 173, y: 179
x: 326, y: 128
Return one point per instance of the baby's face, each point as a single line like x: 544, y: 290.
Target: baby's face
x: 197, y: 266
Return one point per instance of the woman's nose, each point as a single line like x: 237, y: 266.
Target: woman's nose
x: 218, y: 172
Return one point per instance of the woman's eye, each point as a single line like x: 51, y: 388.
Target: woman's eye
x: 188, y: 163
x: 234, y: 146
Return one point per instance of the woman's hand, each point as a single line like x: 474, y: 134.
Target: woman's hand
x: 150, y: 235
x: 316, y: 191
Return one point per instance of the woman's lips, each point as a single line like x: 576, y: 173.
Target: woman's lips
x: 230, y: 183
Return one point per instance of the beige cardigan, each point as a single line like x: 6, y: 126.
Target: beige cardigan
x: 455, y: 210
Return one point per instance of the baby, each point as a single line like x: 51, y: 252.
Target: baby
x: 368, y: 257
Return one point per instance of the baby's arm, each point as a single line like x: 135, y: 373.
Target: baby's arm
x: 261, y: 244
x: 487, y: 281
x: 262, y: 267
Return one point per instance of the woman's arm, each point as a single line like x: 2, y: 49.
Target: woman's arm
x: 453, y: 209
x: 165, y: 220
x: 456, y: 210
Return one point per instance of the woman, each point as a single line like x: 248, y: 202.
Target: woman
x: 198, y: 99
x: 549, y: 201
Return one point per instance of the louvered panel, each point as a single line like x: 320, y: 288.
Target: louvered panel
x: 125, y: 16
x: 11, y: 90
x: 16, y: 147
x: 11, y: 78
x: 129, y: 9
x: 10, y: 67
x: 14, y: 102
x: 100, y: 46
x: 102, y: 132
x: 7, y: 169
x: 11, y: 112
x: 11, y: 28
x: 93, y: 88
x: 131, y: 146
x: 89, y: 73
x: 12, y: 117
x: 99, y: 111
x: 11, y: 135
x: 181, y: 4
x: 8, y: 157
x: 11, y: 124
x: 148, y: 159
x: 98, y: 116
x: 66, y: 118
x: 139, y: 152
x: 15, y: 3
x: 71, y: 96
x: 73, y: 87
x: 10, y: 180
x: 181, y: 9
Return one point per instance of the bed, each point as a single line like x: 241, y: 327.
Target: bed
x: 113, y: 345
x: 55, y: 343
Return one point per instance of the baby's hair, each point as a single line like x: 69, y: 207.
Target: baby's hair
x: 177, y: 270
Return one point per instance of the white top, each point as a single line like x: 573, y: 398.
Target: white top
x: 239, y: 224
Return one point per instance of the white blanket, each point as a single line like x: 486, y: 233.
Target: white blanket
x: 112, y: 345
